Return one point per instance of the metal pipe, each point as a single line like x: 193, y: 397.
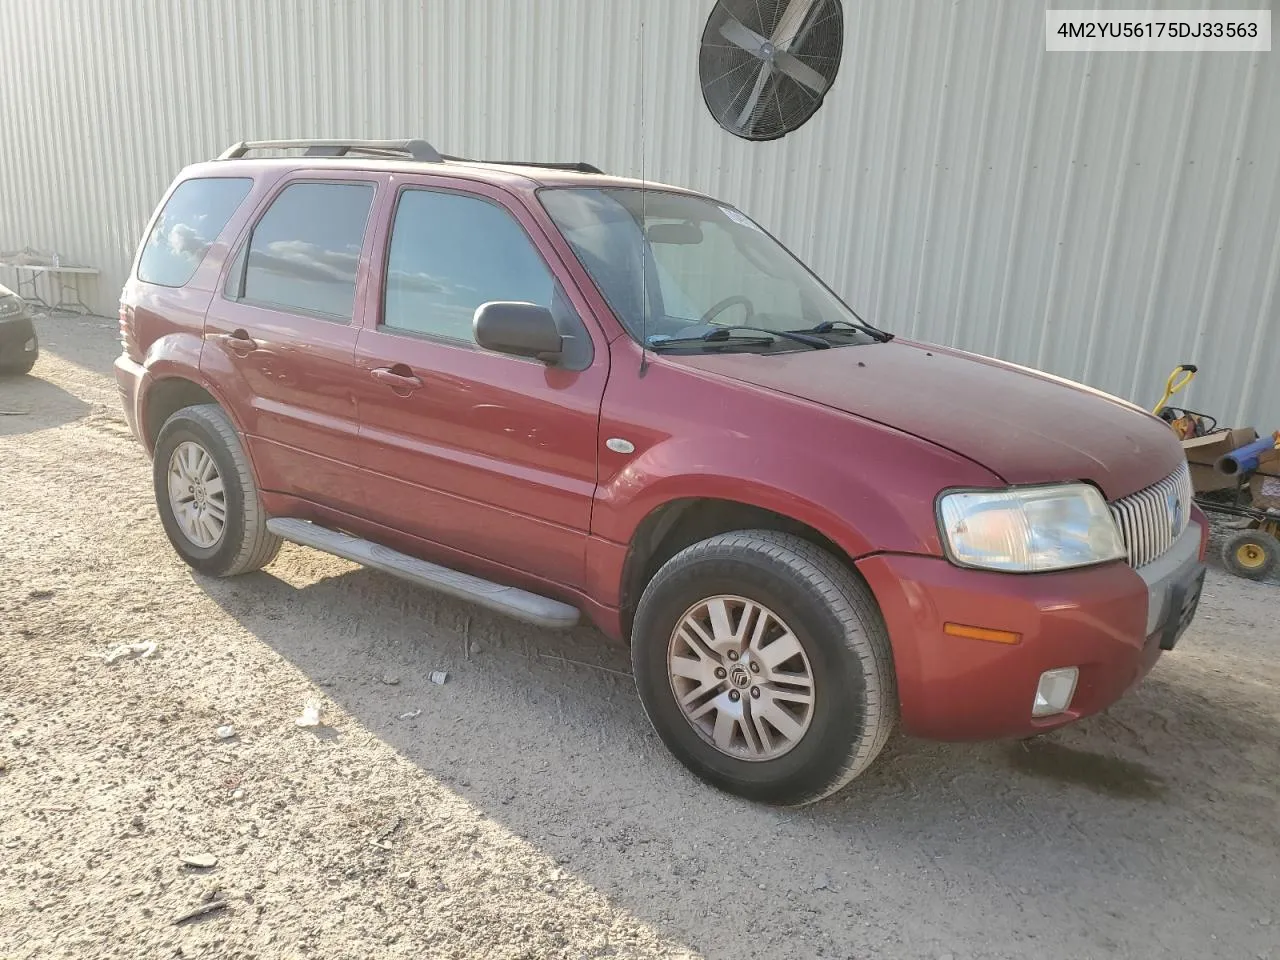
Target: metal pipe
x: 1244, y: 459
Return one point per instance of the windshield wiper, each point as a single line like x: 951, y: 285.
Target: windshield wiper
x: 661, y: 343
x: 826, y: 326
x: 723, y: 335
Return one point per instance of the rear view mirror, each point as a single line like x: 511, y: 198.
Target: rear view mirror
x: 678, y: 234
x: 520, y: 329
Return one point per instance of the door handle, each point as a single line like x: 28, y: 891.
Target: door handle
x: 396, y: 381
x: 238, y: 341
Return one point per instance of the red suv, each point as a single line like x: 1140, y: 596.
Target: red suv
x: 549, y: 391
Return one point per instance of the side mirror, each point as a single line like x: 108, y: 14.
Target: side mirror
x: 521, y: 329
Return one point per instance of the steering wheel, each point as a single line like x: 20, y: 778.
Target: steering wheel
x: 718, y: 308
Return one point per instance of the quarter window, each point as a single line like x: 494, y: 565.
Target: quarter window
x: 188, y: 225
x: 305, y: 250
x: 451, y: 253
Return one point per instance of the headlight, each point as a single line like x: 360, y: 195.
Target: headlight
x: 11, y: 306
x: 1029, y: 529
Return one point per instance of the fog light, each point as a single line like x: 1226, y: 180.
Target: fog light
x: 30, y: 345
x: 1054, y: 693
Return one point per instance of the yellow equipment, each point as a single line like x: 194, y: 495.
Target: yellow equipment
x: 1176, y: 383
x: 1185, y: 423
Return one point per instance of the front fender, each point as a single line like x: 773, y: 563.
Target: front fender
x: 681, y: 468
x: 865, y: 486
x: 851, y: 499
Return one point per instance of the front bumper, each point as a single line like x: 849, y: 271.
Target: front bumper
x: 1108, y: 621
x: 17, y: 340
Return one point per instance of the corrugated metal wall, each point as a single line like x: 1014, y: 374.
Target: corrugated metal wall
x: 1101, y: 216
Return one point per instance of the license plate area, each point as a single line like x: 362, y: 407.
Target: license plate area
x: 1184, y: 597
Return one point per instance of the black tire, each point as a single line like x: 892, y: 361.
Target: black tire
x: 833, y: 614
x: 22, y: 367
x: 1252, y: 554
x: 245, y: 543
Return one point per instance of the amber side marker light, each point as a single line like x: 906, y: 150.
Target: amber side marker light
x: 981, y: 633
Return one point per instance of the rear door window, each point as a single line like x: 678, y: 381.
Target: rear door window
x: 190, y: 222
x: 304, y: 252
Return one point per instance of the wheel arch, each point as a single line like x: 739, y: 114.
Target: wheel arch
x: 167, y: 389
x: 173, y: 378
x: 164, y: 398
x: 167, y: 393
x: 675, y: 524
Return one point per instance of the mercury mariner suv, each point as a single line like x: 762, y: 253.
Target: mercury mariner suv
x: 555, y: 392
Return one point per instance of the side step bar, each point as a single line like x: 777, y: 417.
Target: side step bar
x: 542, y: 611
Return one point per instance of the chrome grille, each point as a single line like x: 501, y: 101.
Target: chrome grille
x: 1153, y: 518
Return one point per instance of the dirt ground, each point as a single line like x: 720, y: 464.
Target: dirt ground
x: 525, y: 808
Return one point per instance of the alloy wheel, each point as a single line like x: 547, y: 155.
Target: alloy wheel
x: 741, y: 677
x: 196, y: 494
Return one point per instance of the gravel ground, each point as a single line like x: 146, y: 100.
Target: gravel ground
x: 525, y: 808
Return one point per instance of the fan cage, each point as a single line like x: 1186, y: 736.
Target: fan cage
x: 728, y: 74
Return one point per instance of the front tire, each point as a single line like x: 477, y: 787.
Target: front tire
x: 765, y: 666
x: 21, y: 367
x: 206, y: 494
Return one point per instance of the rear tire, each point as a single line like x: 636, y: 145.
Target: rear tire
x: 725, y: 587
x: 1252, y: 554
x: 206, y: 494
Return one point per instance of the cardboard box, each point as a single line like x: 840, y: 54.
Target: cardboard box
x: 1203, y: 453
x: 1266, y: 490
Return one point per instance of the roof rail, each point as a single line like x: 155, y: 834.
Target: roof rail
x: 576, y: 166
x: 418, y: 150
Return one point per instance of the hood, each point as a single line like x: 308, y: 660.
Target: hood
x: 1024, y: 426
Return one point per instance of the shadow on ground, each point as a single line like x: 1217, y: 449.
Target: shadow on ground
x: 89, y: 342
x: 29, y: 404
x: 544, y: 733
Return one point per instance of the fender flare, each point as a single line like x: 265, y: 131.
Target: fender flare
x: 177, y: 357
x: 840, y: 530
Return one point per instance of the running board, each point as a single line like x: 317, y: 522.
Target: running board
x: 512, y: 601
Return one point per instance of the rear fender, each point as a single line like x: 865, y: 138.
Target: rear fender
x: 178, y: 356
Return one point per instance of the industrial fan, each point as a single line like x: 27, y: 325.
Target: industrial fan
x: 765, y: 65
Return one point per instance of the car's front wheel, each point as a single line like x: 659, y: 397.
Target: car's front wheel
x: 22, y: 366
x: 206, y: 494
x: 765, y: 666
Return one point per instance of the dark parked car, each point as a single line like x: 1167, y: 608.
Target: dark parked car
x: 19, y: 346
x: 550, y: 391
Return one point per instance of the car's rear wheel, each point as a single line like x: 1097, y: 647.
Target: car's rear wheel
x: 765, y: 666
x: 206, y: 494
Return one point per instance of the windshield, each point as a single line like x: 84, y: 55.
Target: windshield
x: 680, y: 267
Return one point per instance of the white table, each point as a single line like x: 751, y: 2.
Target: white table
x: 66, y: 295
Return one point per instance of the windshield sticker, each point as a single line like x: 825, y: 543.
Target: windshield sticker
x: 740, y: 219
